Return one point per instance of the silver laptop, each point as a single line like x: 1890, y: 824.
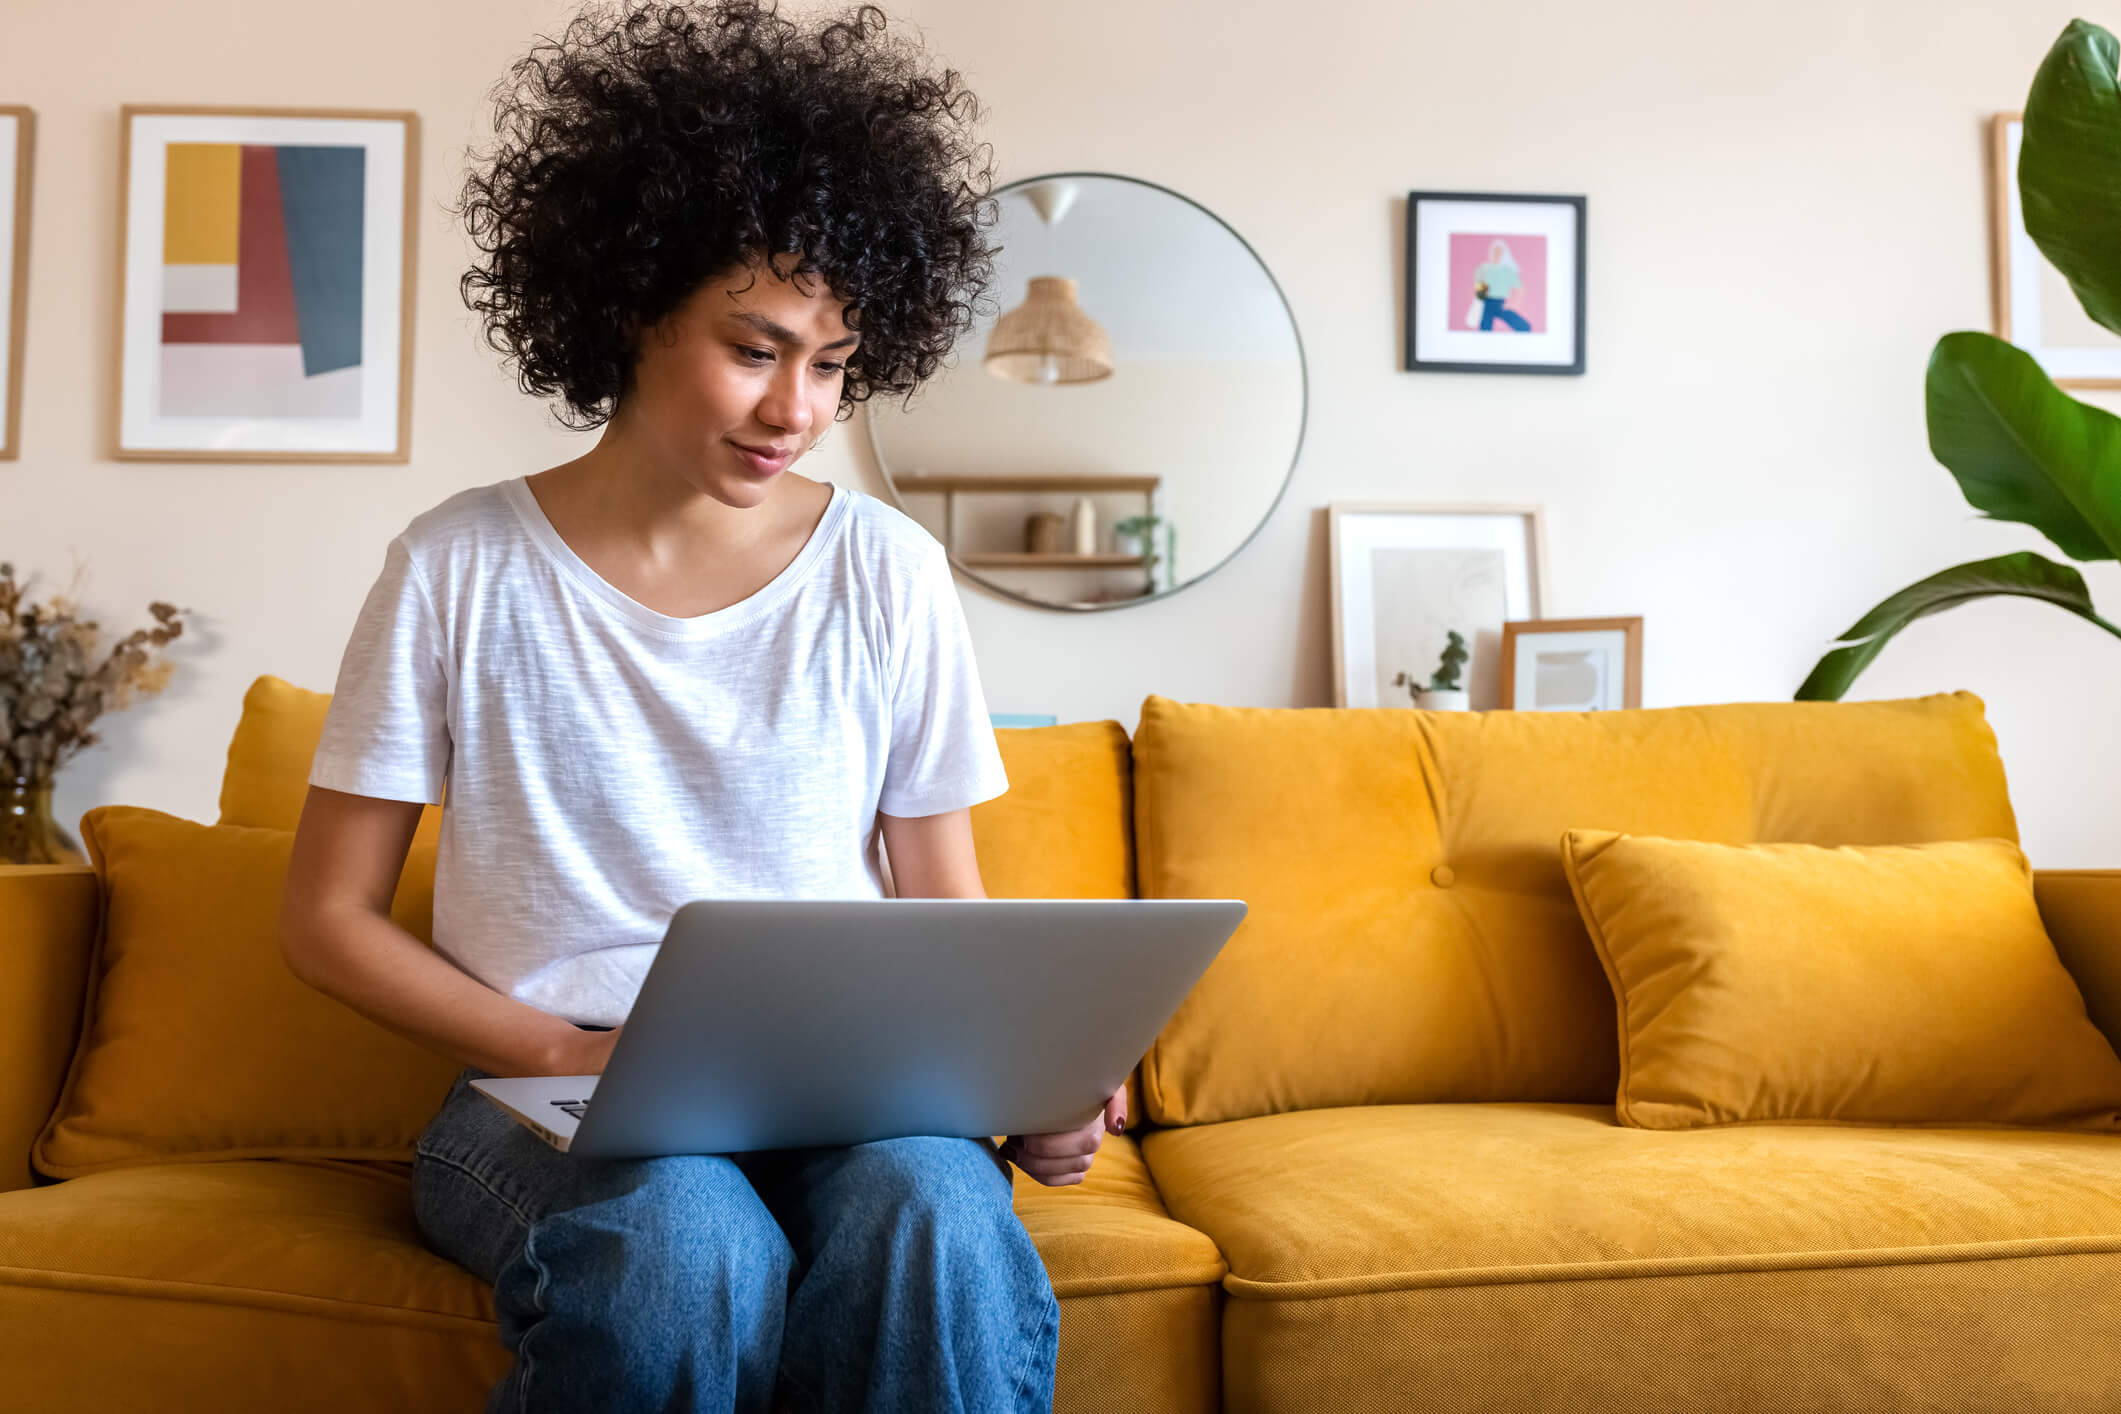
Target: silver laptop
x: 783, y: 1023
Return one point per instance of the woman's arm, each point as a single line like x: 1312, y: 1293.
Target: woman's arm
x: 337, y: 935
x: 932, y: 857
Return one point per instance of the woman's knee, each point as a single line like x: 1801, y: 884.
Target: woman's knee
x: 687, y: 1227
x: 951, y: 1186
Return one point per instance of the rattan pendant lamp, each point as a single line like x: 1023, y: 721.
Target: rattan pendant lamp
x: 1048, y: 338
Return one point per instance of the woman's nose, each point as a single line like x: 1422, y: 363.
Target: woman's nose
x: 783, y: 404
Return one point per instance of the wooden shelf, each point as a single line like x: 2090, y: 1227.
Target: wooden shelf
x: 1134, y: 484
x: 1025, y: 560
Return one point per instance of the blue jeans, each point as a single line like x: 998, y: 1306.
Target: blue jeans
x: 1492, y: 310
x: 893, y: 1275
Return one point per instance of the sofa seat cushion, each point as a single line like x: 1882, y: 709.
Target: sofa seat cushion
x: 212, y: 1286
x: 1526, y: 1255
x: 1140, y: 1293
x: 237, y: 1285
x: 1110, y: 1232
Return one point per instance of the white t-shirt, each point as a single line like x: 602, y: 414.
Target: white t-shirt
x: 607, y: 763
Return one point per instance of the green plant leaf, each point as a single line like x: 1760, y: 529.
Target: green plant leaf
x: 2021, y: 448
x: 2022, y: 573
x: 2069, y: 167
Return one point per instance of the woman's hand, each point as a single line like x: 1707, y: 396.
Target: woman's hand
x: 1063, y: 1157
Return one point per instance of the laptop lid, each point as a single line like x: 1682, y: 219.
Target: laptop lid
x: 776, y: 1023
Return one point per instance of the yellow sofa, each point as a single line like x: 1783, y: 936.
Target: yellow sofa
x: 1374, y: 1165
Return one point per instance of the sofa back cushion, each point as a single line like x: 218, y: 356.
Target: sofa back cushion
x: 1063, y: 829
x: 267, y: 776
x: 1412, y: 937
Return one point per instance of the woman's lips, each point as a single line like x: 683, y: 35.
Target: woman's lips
x: 758, y: 464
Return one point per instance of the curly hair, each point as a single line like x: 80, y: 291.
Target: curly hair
x: 655, y: 146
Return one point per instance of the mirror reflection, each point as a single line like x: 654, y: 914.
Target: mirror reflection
x: 1125, y: 420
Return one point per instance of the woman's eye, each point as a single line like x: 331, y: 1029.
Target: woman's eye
x: 828, y: 369
x: 762, y: 353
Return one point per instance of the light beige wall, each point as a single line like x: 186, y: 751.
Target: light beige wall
x: 1787, y: 206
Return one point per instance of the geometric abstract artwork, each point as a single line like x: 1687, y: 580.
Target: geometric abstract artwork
x: 267, y: 309
x: 17, y: 144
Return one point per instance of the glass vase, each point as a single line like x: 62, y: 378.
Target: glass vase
x: 28, y: 833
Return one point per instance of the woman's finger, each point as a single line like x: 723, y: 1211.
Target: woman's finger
x: 1067, y: 1142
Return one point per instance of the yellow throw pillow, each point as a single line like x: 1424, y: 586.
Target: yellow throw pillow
x: 1862, y: 985
x: 198, y: 1043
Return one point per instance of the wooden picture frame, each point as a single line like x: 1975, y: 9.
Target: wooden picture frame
x: 1577, y: 636
x: 2018, y: 272
x: 18, y: 148
x: 1444, y: 230
x: 280, y: 357
x: 1362, y: 535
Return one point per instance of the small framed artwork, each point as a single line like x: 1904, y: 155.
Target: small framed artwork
x: 265, y: 261
x: 1406, y: 576
x: 1495, y: 284
x: 2034, y: 305
x: 18, y: 131
x: 1572, y: 665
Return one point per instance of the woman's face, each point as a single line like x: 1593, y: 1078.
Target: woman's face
x: 750, y: 359
x: 1495, y: 253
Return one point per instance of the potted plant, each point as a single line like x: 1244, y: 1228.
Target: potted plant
x: 1132, y: 535
x: 50, y: 693
x: 2020, y: 448
x: 1443, y: 694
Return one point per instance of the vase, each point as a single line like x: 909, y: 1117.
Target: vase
x: 1438, y: 699
x: 1084, y: 523
x: 28, y: 833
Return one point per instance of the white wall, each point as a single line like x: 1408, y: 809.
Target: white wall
x: 1787, y: 207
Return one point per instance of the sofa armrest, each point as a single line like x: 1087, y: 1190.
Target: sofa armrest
x: 47, y: 931
x: 2082, y: 911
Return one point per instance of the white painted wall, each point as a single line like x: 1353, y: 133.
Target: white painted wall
x: 1787, y: 207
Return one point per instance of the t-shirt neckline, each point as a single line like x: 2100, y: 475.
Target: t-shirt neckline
x: 525, y: 504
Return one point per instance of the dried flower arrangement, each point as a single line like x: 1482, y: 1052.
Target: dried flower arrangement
x: 51, y: 695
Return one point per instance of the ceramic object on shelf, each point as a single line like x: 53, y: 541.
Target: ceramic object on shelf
x: 1443, y: 699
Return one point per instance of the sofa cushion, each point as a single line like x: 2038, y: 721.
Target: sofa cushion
x: 245, y: 1285
x: 230, y: 1286
x: 1063, y: 829
x: 1140, y: 1293
x: 1863, y: 984
x: 1532, y: 1256
x: 267, y: 776
x: 1411, y: 935
x: 197, y: 1042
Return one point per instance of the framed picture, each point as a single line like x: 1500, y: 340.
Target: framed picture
x: 18, y: 131
x: 2034, y: 305
x: 1407, y: 575
x: 265, y: 260
x: 1572, y: 665
x: 1495, y: 284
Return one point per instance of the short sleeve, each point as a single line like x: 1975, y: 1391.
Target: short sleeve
x: 386, y: 733
x: 943, y: 753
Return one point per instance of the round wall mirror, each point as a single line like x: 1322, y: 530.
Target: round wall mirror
x: 1128, y: 417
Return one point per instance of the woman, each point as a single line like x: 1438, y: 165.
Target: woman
x: 672, y: 668
x: 1496, y: 282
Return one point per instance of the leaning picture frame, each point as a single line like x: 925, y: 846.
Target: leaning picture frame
x: 1405, y: 575
x: 1495, y: 283
x: 18, y: 145
x: 1572, y: 665
x: 265, y: 284
x: 2034, y: 306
